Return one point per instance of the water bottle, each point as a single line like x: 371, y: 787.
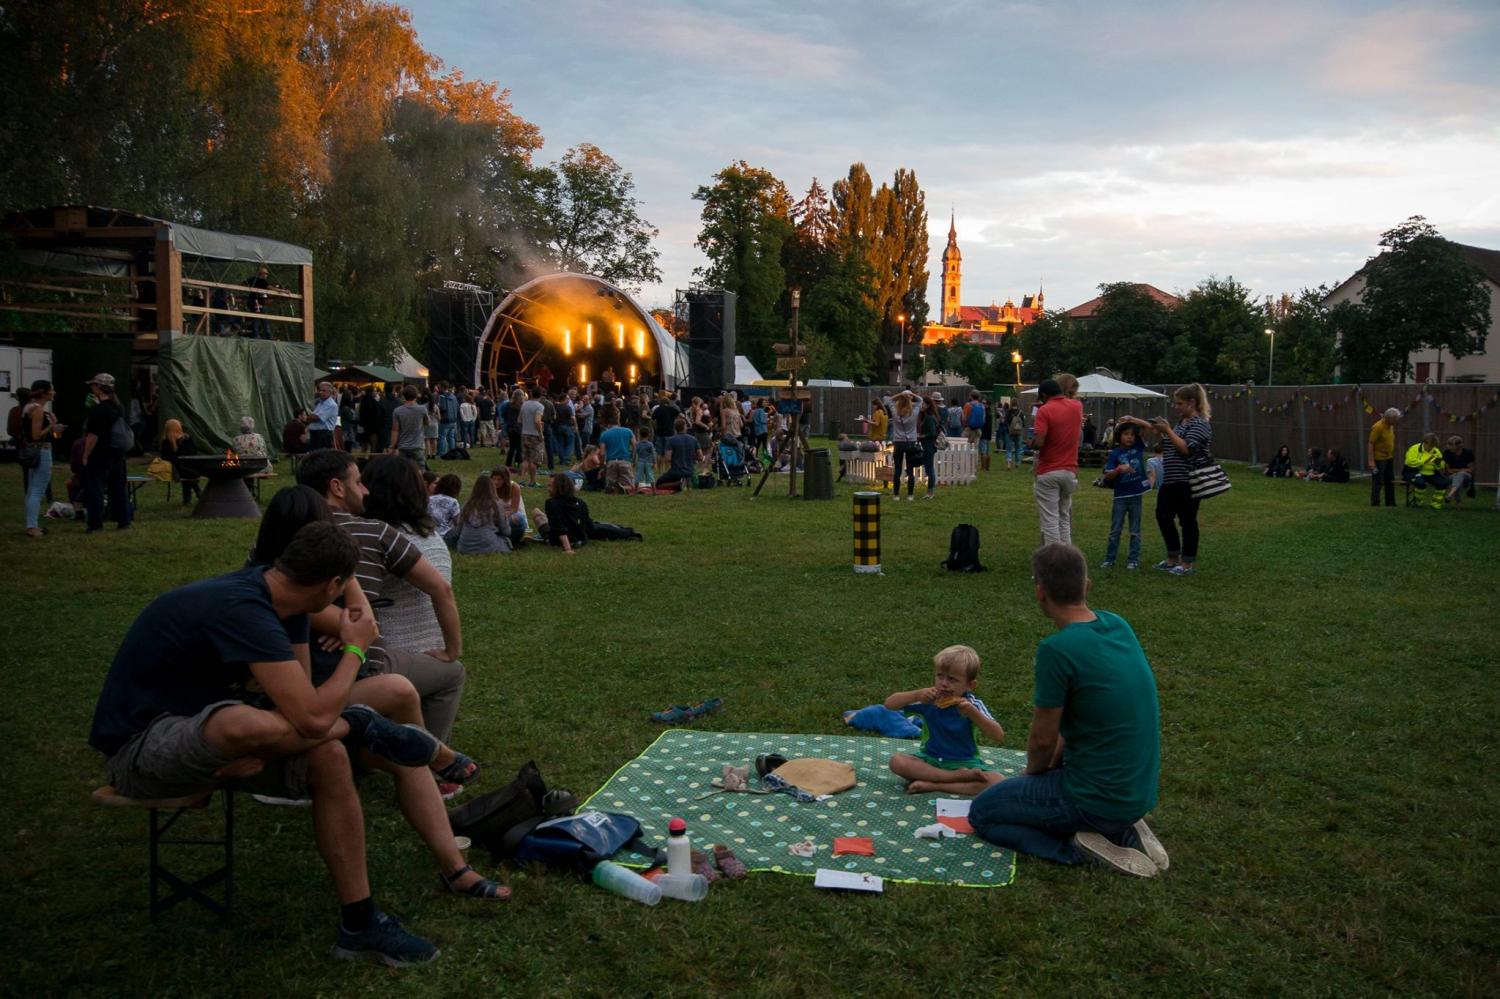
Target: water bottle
x: 679, y: 850
x: 623, y: 881
x: 692, y: 888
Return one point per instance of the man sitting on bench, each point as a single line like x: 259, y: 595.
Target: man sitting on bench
x: 171, y: 718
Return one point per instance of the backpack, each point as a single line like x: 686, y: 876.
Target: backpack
x: 953, y: 420
x: 976, y: 415
x: 121, y: 437
x: 963, y: 550
x: 492, y: 819
x: 578, y: 842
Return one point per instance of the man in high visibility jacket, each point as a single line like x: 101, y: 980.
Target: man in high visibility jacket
x: 1424, y: 466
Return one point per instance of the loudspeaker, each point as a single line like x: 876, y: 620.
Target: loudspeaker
x: 455, y: 321
x: 710, y: 337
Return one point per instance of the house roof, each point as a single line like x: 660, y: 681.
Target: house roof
x: 1488, y: 262
x: 995, y: 313
x: 1089, y: 309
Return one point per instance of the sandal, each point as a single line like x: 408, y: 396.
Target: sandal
x: 679, y: 713
x: 703, y: 864
x: 732, y: 866
x: 483, y: 888
x: 463, y: 770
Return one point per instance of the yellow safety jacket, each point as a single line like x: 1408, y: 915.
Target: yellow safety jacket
x: 1423, y: 460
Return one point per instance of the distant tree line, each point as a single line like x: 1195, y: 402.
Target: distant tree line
x: 1420, y: 293
x: 324, y: 124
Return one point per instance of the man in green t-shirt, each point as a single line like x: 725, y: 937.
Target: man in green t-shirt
x: 1093, y: 756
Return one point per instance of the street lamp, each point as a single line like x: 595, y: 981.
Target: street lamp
x: 901, y: 372
x: 1271, y: 368
x: 1015, y: 358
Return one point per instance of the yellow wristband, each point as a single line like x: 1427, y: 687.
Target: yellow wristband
x: 359, y: 652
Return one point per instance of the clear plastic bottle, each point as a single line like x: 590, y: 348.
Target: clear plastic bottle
x: 679, y: 849
x: 623, y: 881
x: 692, y: 888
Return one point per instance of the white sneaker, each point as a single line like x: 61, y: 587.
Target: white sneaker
x: 266, y: 799
x: 1152, y: 846
x: 1121, y: 858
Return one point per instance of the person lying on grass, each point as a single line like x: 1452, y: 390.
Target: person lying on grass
x: 948, y: 759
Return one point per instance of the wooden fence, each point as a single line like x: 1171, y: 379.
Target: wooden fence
x: 1252, y: 422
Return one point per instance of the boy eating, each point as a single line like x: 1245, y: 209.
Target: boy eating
x: 948, y: 759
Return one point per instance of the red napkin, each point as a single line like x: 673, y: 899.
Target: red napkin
x: 863, y: 846
x: 958, y: 823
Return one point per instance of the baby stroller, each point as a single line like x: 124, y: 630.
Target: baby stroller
x: 729, y: 463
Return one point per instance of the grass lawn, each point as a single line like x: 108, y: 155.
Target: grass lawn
x: 1328, y: 687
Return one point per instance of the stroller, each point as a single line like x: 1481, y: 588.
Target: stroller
x: 729, y: 463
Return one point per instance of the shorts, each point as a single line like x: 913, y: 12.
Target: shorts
x: 971, y: 434
x: 533, y: 450
x: 619, y: 475
x: 972, y: 763
x: 984, y: 445
x: 170, y: 758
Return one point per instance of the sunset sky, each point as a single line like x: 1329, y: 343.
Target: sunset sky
x: 1077, y: 143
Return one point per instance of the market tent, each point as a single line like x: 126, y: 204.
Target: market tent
x: 744, y: 371
x: 1098, y: 386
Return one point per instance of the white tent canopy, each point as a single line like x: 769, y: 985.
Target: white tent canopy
x: 1104, y: 387
x: 744, y: 371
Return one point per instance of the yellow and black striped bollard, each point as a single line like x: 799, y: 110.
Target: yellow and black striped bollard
x: 867, y: 532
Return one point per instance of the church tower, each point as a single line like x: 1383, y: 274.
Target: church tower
x: 951, y: 276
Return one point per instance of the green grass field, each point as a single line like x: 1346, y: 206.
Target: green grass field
x: 1328, y: 688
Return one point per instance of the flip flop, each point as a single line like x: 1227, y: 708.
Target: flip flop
x: 679, y: 713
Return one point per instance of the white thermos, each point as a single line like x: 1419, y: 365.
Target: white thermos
x: 679, y: 849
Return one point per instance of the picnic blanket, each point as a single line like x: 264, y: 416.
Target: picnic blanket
x: 667, y: 779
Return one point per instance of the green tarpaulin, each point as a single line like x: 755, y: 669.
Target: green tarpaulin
x: 209, y: 383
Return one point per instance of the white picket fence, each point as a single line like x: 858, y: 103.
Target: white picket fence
x: 957, y: 465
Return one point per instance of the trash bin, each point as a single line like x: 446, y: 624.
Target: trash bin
x: 817, y: 478
x: 834, y: 429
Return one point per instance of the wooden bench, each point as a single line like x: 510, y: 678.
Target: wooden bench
x: 158, y: 826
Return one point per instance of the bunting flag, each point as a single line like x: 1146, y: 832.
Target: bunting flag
x: 1450, y: 415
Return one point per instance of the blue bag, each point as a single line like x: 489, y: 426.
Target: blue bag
x: 578, y: 842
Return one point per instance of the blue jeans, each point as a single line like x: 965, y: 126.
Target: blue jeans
x: 447, y: 437
x: 1014, y: 446
x: 1122, y: 507
x: 563, y: 443
x: 645, y: 472
x: 467, y: 431
x: 1035, y: 815
x: 36, y: 487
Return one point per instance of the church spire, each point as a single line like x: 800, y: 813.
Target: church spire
x: 952, y: 230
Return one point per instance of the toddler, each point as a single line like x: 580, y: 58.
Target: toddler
x: 442, y: 504
x: 645, y: 457
x: 948, y: 759
x: 1125, y: 471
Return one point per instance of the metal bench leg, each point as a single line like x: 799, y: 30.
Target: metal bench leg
x: 195, y: 890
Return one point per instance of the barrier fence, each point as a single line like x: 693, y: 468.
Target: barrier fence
x: 1252, y: 421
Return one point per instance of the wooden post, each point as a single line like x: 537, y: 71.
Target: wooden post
x: 305, y: 289
x: 791, y: 381
x: 1302, y: 426
x: 168, y: 286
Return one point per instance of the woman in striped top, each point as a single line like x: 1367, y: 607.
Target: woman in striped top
x: 1184, y: 447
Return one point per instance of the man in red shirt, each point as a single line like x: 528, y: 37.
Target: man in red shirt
x: 1058, y: 426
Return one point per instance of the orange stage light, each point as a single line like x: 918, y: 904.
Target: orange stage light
x: 567, y: 342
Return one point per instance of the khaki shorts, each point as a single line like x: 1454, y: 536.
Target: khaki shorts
x: 533, y: 450
x: 619, y: 475
x: 971, y: 434
x: 170, y: 758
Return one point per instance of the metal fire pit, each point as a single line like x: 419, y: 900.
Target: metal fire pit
x: 226, y: 494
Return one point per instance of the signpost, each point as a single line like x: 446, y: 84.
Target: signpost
x: 791, y: 357
x: 795, y: 363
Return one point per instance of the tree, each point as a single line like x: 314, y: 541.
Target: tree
x: 591, y: 221
x: 1422, y: 292
x: 1043, y: 347
x: 1226, y: 331
x: 837, y: 309
x: 745, y: 222
x: 811, y: 251
x: 1130, y: 333
x: 1306, y: 350
x: 1366, y: 353
x: 974, y: 367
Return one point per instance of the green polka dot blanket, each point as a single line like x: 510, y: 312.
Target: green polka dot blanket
x: 670, y: 776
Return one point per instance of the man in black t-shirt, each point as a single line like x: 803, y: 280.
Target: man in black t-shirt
x: 664, y: 417
x: 103, y: 460
x: 172, y: 718
x: 1460, y: 462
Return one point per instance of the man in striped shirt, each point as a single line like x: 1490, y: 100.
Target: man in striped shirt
x: 437, y: 674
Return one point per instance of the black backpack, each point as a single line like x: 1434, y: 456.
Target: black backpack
x: 963, y: 550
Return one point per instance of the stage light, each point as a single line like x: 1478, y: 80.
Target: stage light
x: 622, y: 336
x: 583, y: 374
x: 588, y: 336
x: 567, y: 342
x: 640, y: 343
x: 632, y: 374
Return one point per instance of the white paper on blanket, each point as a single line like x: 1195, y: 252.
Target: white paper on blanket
x: 953, y: 808
x: 848, y: 880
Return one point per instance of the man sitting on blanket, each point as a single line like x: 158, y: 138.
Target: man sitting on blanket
x: 1094, y: 753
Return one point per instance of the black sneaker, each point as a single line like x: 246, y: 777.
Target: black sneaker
x: 385, y: 941
x: 404, y: 745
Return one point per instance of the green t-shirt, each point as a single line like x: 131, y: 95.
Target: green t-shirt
x: 1097, y: 673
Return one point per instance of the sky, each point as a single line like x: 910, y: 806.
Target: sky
x: 1075, y: 143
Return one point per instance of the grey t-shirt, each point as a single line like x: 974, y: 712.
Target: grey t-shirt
x: 409, y: 419
x: 531, y: 409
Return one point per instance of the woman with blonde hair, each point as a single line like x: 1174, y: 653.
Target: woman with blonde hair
x: 1185, y: 447
x: 905, y: 443
x: 175, y: 443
